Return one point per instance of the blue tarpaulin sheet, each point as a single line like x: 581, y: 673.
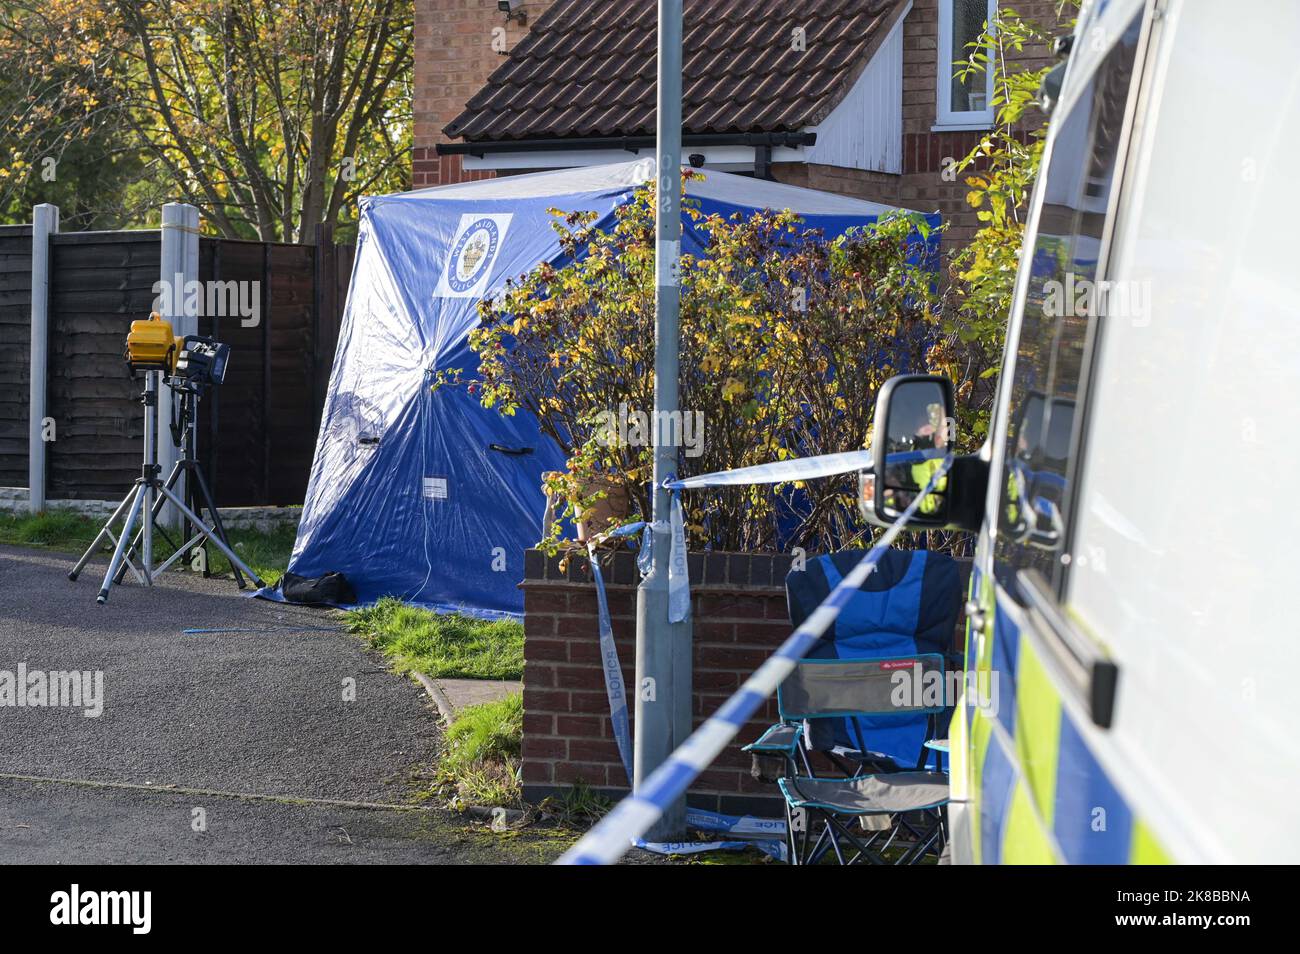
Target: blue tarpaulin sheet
x: 414, y: 493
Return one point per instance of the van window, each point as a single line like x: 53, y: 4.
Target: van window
x: 1061, y: 308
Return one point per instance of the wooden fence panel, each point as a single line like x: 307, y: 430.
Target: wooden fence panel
x: 257, y: 431
x: 259, y: 428
x: 290, y: 357
x: 15, y: 351
x: 232, y: 417
x: 99, y: 283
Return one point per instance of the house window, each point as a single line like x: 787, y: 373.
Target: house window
x: 963, y: 103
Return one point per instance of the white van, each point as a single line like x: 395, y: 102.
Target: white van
x: 1133, y: 581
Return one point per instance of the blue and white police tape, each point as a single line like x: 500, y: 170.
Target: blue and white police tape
x: 777, y: 849
x: 765, y: 834
x: 634, y: 815
x: 614, y: 688
x: 643, y: 556
x: 774, y: 472
x: 747, y: 831
x: 778, y: 471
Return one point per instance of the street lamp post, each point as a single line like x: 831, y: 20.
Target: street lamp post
x: 663, y: 649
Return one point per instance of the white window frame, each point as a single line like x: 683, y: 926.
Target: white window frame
x: 945, y: 117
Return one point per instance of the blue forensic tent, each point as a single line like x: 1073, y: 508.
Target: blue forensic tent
x: 425, y: 495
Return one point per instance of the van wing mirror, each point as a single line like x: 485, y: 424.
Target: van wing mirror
x: 915, y: 429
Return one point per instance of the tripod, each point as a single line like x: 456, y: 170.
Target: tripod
x: 149, y: 495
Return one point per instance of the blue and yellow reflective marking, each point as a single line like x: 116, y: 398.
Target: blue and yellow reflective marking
x: 1037, y: 794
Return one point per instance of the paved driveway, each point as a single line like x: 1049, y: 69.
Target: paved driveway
x: 204, y: 721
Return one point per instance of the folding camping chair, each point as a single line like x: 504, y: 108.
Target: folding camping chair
x: 908, y: 606
x: 820, y: 812
x: 786, y: 747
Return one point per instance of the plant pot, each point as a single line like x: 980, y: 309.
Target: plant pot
x: 614, y: 505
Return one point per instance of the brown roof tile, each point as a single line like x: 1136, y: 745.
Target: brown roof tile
x: 587, y: 68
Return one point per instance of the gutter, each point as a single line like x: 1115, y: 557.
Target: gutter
x: 763, y: 140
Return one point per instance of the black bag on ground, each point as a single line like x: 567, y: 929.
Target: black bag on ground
x: 333, y: 587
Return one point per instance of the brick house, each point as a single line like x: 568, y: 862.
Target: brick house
x: 849, y: 96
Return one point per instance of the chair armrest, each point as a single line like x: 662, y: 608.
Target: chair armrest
x: 782, y: 738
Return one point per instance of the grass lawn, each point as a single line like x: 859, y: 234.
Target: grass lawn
x: 481, y: 763
x: 63, y: 530
x: 441, y: 645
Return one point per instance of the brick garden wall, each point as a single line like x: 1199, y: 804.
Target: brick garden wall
x: 739, y: 610
x: 739, y: 616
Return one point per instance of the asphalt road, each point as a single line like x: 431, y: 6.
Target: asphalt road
x: 206, y: 720
x: 57, y: 823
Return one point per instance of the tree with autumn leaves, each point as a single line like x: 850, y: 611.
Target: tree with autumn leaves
x: 271, y: 116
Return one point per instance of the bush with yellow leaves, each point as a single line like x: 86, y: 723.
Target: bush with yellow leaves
x: 786, y: 337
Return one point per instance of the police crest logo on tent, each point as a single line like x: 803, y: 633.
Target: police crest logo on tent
x: 473, y: 252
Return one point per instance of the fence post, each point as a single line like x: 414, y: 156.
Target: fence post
x: 179, y: 266
x: 45, y: 222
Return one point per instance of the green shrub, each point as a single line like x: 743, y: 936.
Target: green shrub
x: 786, y: 336
x: 999, y: 172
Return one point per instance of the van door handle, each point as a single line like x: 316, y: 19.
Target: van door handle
x: 1091, y: 675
